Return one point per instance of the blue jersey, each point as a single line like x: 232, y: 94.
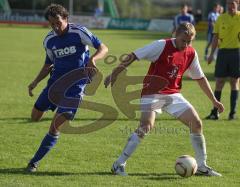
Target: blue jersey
x: 212, y: 18
x: 70, y: 50
x: 180, y: 18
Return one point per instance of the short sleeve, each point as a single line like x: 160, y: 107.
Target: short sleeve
x: 49, y: 57
x: 87, y: 38
x: 195, y: 71
x: 49, y: 54
x: 151, y: 52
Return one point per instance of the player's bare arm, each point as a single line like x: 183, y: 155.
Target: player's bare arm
x: 46, y: 69
x: 214, y: 47
x: 99, y: 54
x: 205, y: 86
x: 130, y: 58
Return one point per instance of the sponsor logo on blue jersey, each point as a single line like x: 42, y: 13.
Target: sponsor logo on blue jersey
x: 67, y: 51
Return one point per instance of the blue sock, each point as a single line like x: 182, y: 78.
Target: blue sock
x: 47, y: 143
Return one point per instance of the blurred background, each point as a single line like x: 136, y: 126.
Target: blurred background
x: 162, y: 11
x: 146, y: 9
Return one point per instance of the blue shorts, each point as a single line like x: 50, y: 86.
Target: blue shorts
x: 43, y: 102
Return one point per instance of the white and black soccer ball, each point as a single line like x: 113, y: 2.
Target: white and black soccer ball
x: 186, y: 166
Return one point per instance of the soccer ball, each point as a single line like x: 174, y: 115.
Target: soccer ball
x: 186, y: 166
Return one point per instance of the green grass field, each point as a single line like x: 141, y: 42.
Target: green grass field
x: 86, y: 159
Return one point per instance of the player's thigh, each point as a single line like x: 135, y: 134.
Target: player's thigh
x: 220, y: 82
x: 43, y: 103
x: 176, y: 105
x: 234, y: 83
x: 191, y: 119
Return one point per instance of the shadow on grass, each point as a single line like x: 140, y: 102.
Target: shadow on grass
x: 21, y: 120
x: 157, y: 176
x: 22, y: 171
x: 147, y: 176
x: 39, y: 173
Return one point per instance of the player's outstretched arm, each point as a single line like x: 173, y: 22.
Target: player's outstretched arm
x: 205, y: 86
x: 46, y: 69
x: 110, y: 79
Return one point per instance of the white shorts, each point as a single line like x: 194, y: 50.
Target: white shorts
x: 174, y: 104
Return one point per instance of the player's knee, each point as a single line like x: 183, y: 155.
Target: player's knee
x: 196, y: 126
x: 36, y: 115
x: 144, y: 129
x: 234, y: 83
x: 219, y: 84
x: 35, y: 118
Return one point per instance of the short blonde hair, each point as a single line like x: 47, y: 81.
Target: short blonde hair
x: 186, y: 28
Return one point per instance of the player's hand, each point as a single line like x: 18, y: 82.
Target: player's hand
x: 31, y: 87
x: 219, y: 106
x: 210, y: 59
x: 110, y: 79
x: 91, y: 68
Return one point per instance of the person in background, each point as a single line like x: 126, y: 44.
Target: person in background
x: 198, y: 15
x: 227, y: 39
x: 183, y: 17
x: 212, y: 18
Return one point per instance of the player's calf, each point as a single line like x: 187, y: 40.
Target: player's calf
x: 36, y: 115
x: 118, y: 167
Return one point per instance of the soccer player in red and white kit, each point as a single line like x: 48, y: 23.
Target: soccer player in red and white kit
x: 170, y: 58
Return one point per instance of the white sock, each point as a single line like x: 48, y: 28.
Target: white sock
x: 130, y: 147
x: 199, y: 146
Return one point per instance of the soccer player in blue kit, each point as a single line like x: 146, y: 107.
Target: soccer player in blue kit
x: 182, y: 17
x: 212, y: 18
x: 66, y: 49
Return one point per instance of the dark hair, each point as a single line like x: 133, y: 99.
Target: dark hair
x: 216, y: 4
x: 184, y: 5
x: 54, y: 10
